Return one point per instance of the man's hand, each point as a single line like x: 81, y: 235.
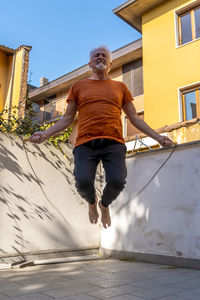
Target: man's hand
x: 164, y: 141
x: 131, y: 113
x: 38, y: 137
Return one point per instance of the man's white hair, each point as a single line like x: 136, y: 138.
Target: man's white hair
x: 101, y: 47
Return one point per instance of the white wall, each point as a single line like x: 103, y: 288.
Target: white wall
x: 165, y: 218
x: 39, y: 207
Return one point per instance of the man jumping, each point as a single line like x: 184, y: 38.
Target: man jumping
x: 99, y: 101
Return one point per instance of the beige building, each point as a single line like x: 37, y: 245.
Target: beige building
x: 49, y: 99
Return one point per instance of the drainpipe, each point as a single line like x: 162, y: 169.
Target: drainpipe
x: 12, y: 80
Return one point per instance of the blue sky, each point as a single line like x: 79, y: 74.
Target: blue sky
x: 62, y: 32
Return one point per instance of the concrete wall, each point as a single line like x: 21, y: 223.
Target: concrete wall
x: 41, y: 212
x: 162, y: 217
x: 40, y: 209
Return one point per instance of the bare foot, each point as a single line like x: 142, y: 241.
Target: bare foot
x: 105, y: 215
x: 93, y: 214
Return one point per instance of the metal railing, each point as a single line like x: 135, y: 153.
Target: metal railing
x: 50, y: 111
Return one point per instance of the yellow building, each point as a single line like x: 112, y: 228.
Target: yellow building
x: 171, y: 65
x: 13, y: 77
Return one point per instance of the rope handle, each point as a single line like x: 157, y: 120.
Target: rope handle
x: 26, y: 139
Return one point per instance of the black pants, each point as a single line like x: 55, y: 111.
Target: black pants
x: 86, y: 159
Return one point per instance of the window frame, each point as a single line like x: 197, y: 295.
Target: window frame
x: 124, y: 126
x: 181, y: 12
x: 125, y: 122
x: 197, y: 93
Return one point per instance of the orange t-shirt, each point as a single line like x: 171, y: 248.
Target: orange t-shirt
x: 99, y: 104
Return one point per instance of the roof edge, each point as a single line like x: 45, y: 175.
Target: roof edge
x: 123, y: 5
x: 7, y: 49
x: 132, y: 10
x: 24, y: 47
x: 81, y: 71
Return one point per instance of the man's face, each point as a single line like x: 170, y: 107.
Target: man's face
x: 100, y: 60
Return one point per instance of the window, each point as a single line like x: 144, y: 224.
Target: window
x: 128, y: 128
x: 191, y: 104
x: 132, y: 76
x: 46, y: 116
x: 189, y: 25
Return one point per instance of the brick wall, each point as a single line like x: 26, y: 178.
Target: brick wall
x: 23, y: 88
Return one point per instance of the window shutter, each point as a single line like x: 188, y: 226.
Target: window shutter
x: 133, y: 76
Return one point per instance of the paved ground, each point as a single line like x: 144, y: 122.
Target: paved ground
x: 106, y: 279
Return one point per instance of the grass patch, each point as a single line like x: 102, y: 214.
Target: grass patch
x: 169, y: 267
x: 128, y: 259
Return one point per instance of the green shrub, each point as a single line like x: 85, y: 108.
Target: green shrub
x: 26, y: 126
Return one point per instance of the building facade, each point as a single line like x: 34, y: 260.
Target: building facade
x: 162, y: 70
x: 171, y: 65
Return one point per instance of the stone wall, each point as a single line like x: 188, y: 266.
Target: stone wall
x: 24, y: 77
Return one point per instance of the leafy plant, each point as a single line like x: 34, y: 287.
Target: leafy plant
x: 10, y: 122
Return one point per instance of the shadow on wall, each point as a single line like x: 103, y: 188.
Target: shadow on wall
x: 37, y: 194
x: 160, y: 217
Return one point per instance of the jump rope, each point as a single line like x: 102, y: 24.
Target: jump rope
x: 26, y: 139
x: 154, y: 175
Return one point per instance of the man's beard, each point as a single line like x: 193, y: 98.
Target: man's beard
x: 100, y: 66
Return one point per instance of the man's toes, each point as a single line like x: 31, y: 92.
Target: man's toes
x: 104, y: 223
x: 91, y: 218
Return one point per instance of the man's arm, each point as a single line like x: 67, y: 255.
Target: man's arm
x: 69, y: 115
x: 131, y: 113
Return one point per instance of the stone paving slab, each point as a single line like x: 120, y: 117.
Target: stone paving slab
x: 157, y: 293
x: 37, y: 296
x: 126, y: 297
x: 3, y: 297
x: 107, y: 293
x: 173, y: 297
x: 106, y: 279
x: 193, y: 294
x: 79, y: 297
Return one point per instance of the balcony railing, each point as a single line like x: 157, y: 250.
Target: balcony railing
x: 50, y: 111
